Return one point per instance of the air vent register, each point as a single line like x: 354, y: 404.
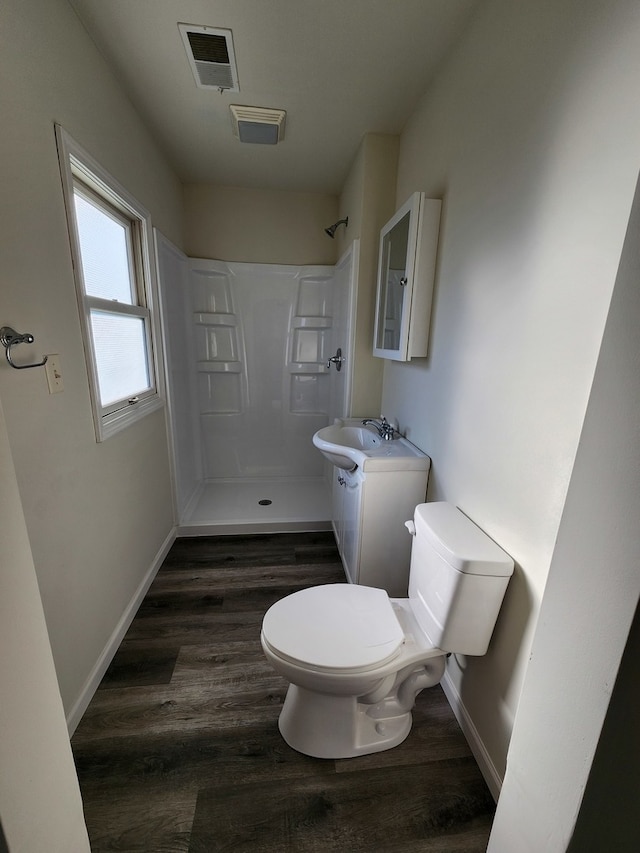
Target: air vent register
x: 211, y: 56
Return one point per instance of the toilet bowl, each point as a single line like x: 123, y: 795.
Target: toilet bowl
x: 356, y: 659
x: 346, y: 649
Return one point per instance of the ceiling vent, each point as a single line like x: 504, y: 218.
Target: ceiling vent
x: 211, y: 57
x: 257, y: 124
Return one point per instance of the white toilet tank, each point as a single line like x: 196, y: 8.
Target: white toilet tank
x: 457, y: 580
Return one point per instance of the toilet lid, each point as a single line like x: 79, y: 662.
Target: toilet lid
x: 335, y: 626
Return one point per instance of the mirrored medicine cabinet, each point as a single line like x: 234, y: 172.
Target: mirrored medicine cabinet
x: 406, y: 270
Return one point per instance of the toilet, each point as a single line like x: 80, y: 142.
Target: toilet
x: 356, y: 659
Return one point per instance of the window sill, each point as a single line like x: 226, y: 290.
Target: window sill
x: 114, y: 422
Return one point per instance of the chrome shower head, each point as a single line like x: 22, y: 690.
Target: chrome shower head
x: 331, y: 230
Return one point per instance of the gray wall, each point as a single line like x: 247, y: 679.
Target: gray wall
x: 40, y: 805
x: 97, y: 514
x: 588, y: 609
x: 530, y: 135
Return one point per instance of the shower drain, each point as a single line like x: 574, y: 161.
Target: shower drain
x: 265, y: 502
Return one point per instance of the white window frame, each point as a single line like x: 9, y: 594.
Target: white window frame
x: 78, y: 168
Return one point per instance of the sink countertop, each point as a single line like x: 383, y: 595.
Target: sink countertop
x: 350, y: 444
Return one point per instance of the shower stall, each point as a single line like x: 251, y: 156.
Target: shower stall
x: 249, y: 381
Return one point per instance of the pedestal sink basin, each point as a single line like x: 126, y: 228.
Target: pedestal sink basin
x: 348, y: 444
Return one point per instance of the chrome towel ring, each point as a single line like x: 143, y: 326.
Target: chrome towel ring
x: 10, y: 338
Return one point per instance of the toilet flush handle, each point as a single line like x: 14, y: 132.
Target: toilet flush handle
x: 410, y: 527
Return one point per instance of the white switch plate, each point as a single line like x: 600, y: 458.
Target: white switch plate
x: 54, y: 374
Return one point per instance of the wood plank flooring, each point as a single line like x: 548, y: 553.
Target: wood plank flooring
x: 179, y: 749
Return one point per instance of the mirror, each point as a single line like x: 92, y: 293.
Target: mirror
x: 406, y: 266
x: 393, y: 279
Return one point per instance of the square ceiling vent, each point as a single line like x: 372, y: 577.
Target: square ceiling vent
x: 211, y: 56
x: 258, y: 124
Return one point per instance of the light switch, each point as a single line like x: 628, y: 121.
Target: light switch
x: 54, y: 374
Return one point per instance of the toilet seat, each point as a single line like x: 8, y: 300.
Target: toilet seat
x: 337, y: 628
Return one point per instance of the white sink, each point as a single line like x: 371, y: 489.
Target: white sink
x: 348, y: 444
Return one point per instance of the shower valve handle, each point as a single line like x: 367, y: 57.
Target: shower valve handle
x: 337, y: 359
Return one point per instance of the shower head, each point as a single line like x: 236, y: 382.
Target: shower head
x: 331, y: 230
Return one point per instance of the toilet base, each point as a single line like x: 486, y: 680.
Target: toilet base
x: 325, y: 726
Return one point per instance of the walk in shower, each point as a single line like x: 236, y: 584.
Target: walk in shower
x: 247, y: 349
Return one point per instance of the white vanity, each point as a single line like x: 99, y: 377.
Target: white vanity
x: 376, y: 486
x: 378, y: 477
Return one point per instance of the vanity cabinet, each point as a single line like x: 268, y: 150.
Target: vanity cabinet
x: 369, y: 509
x: 406, y: 272
x: 347, y: 492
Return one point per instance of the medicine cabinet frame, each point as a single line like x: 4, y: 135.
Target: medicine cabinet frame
x: 409, y: 241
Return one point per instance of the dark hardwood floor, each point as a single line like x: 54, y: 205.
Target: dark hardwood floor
x: 179, y: 749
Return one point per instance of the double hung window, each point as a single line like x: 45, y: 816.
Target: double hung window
x: 110, y: 237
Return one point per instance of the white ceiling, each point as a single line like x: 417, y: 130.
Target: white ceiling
x: 340, y: 68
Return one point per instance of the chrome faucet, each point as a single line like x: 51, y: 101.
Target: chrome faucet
x: 384, y: 428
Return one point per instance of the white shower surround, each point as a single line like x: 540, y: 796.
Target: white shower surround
x: 262, y: 336
x: 247, y: 348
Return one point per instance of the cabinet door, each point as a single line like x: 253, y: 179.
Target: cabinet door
x: 337, y: 500
x: 394, y: 288
x: 350, y: 551
x: 406, y: 271
x: 389, y: 499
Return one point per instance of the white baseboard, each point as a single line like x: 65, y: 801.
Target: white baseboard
x: 95, y: 676
x: 486, y: 765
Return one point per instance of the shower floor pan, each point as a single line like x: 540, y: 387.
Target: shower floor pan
x: 258, y: 506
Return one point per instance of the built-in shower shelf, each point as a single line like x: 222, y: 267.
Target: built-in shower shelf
x: 307, y: 367
x: 218, y: 319
x: 219, y: 366
x: 311, y: 322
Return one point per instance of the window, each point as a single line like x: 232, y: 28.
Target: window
x: 110, y: 237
